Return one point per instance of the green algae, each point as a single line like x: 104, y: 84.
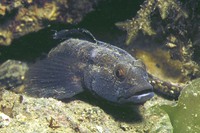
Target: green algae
x: 180, y: 117
x: 185, y: 114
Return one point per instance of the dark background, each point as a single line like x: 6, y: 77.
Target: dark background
x: 100, y: 22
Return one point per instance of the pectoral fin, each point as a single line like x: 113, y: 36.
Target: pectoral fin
x: 54, y: 77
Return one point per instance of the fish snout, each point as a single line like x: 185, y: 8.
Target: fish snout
x: 138, y: 94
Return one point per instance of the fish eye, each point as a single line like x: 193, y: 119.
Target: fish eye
x: 139, y: 63
x: 120, y: 73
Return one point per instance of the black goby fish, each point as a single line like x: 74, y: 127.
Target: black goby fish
x: 76, y: 65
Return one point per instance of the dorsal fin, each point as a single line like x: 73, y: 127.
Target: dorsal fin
x: 79, y: 33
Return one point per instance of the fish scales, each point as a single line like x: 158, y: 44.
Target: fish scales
x: 76, y: 65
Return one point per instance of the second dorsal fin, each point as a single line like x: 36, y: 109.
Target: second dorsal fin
x: 79, y: 33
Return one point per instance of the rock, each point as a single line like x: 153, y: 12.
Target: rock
x: 12, y: 74
x: 19, y: 17
x: 4, y: 120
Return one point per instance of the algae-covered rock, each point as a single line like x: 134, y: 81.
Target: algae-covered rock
x: 159, y: 121
x: 12, y: 74
x: 38, y: 115
x: 142, y: 20
x: 27, y: 115
x: 185, y: 115
x: 20, y: 17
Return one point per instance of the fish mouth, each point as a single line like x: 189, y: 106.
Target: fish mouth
x: 139, y: 97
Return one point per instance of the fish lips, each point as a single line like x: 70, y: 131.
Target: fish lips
x: 138, y: 97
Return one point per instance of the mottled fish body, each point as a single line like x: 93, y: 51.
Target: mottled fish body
x: 103, y: 69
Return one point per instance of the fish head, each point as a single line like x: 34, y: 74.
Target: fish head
x: 119, y: 80
x: 132, y: 83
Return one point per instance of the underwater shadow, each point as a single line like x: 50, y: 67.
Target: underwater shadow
x: 123, y: 113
